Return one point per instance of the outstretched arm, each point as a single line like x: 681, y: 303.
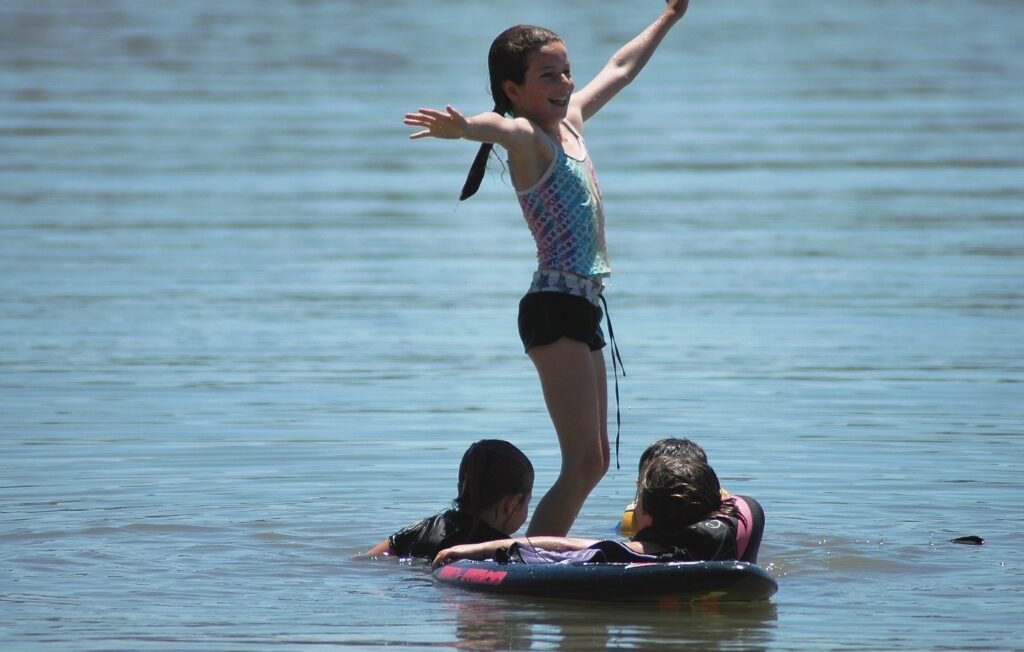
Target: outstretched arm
x: 526, y: 145
x: 627, y: 63
x: 488, y: 127
x: 487, y: 549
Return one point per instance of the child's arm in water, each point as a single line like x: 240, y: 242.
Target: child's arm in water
x: 487, y: 549
x: 626, y: 64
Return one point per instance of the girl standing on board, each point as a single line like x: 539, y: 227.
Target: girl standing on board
x: 560, y: 316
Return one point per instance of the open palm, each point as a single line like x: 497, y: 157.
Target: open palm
x: 448, y: 124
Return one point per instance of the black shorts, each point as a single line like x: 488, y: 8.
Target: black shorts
x: 545, y: 317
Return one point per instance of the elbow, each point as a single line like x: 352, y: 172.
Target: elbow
x: 622, y: 73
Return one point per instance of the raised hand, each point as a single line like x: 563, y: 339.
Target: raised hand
x: 678, y: 6
x: 448, y: 124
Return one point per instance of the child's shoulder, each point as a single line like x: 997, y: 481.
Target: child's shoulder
x: 412, y: 538
x: 575, y: 119
x: 424, y: 524
x: 527, y: 130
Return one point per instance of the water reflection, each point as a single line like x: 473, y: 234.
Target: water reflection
x: 487, y: 622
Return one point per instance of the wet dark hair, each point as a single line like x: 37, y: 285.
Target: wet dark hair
x: 678, y: 492
x: 507, y: 60
x: 673, y: 447
x: 490, y: 470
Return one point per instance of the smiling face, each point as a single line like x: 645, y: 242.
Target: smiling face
x: 543, y: 97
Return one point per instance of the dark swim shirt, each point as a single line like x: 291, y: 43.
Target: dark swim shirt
x: 712, y: 539
x: 431, y: 535
x: 720, y: 537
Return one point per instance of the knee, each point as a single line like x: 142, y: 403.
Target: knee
x: 587, y: 469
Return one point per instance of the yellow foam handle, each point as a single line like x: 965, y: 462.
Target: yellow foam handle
x: 627, y: 526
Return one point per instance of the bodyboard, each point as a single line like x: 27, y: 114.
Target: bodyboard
x: 726, y: 581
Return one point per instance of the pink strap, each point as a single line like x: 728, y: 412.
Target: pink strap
x: 743, y: 528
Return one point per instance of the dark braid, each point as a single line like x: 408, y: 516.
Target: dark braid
x: 507, y: 60
x: 479, y: 166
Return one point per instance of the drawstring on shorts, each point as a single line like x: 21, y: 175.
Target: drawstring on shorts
x: 616, y: 365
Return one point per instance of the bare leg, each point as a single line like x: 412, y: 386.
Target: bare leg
x: 574, y: 384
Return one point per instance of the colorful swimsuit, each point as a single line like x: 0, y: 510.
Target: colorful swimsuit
x: 565, y: 213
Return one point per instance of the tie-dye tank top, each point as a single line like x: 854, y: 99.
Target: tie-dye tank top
x: 565, y: 214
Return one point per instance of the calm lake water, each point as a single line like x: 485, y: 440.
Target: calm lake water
x: 246, y: 330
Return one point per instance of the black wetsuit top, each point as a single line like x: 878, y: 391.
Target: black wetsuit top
x: 713, y: 539
x: 433, y: 534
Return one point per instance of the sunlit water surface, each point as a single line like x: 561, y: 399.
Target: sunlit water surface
x: 246, y: 330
